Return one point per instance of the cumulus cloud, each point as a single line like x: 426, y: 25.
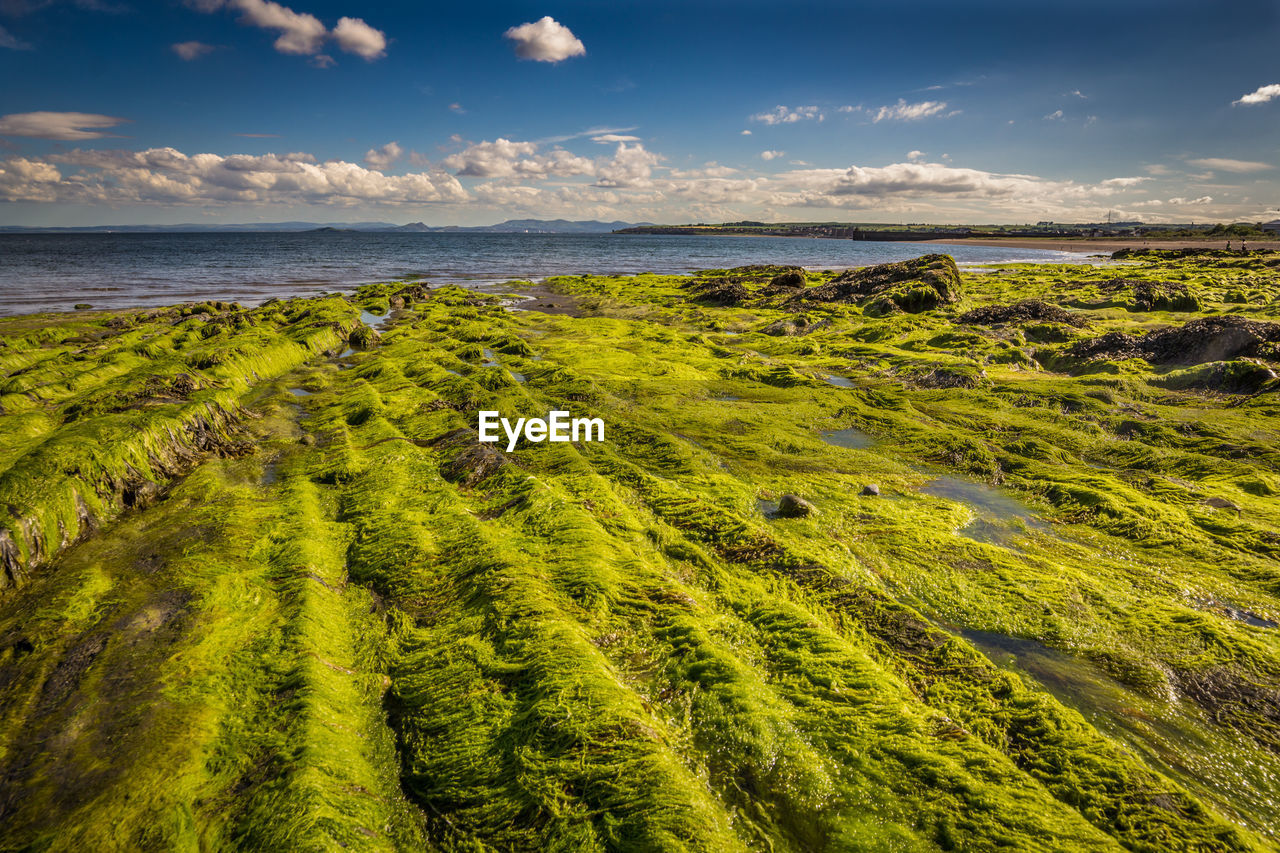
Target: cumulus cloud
x: 915, y: 155
x: 902, y: 111
x: 771, y: 155
x: 505, y: 158
x: 302, y: 33
x: 384, y: 157
x: 545, y: 40
x: 1225, y: 164
x: 64, y: 126
x: 746, y: 133
x: 12, y: 42
x: 168, y: 176
x: 788, y: 115
x: 1056, y: 115
x: 191, y: 50
x: 631, y: 166
x: 1260, y: 95
x: 355, y: 36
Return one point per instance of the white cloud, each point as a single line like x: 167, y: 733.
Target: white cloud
x: 65, y: 126
x: 915, y: 155
x: 851, y: 109
x: 301, y: 33
x: 1056, y: 115
x: 545, y: 40
x: 1123, y: 183
x: 383, y: 158
x: 355, y: 36
x: 1224, y: 164
x: 902, y: 111
x: 746, y: 133
x: 167, y: 176
x: 504, y: 158
x: 631, y: 166
x: 190, y: 50
x: 770, y: 155
x: 12, y: 42
x: 1077, y: 93
x: 457, y: 108
x: 610, y: 138
x: 788, y: 115
x: 1260, y: 95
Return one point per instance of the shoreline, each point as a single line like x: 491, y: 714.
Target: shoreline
x: 1099, y: 245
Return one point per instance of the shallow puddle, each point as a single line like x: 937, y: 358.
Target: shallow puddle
x: 767, y: 508
x: 374, y: 321
x: 838, y: 381
x: 517, y: 376
x: 850, y: 438
x: 1172, y: 737
x: 300, y: 392
x: 347, y: 353
x: 1000, y: 518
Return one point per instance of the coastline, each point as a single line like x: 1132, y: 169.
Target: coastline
x: 1107, y: 245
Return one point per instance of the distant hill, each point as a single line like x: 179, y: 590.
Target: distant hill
x: 511, y: 226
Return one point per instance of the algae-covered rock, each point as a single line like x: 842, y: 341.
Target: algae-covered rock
x: 467, y: 460
x: 363, y: 337
x: 1024, y: 311
x: 790, y: 279
x: 1196, y: 342
x: 1155, y: 295
x: 793, y: 506
x: 921, y: 284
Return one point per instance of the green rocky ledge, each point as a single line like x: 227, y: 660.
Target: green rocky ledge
x: 906, y: 558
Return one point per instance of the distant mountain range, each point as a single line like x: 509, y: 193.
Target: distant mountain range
x: 511, y: 226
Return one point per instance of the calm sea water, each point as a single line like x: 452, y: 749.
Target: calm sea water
x: 52, y: 272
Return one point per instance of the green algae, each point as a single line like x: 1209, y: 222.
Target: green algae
x: 338, y: 620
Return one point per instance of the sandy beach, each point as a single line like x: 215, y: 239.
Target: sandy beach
x: 1104, y: 246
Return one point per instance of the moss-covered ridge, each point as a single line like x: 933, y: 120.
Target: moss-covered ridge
x: 364, y: 629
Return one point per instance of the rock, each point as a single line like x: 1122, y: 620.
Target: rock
x: 82, y: 306
x: 1155, y: 295
x: 308, y: 439
x: 791, y: 506
x: 871, y: 490
x: 472, y: 460
x: 1020, y: 312
x: 920, y: 284
x: 791, y: 326
x: 722, y: 292
x: 790, y: 279
x: 1222, y: 503
x: 363, y: 337
x: 1195, y: 342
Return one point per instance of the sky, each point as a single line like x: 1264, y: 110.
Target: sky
x: 222, y: 111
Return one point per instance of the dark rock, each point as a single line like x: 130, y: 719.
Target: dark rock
x: 363, y: 337
x: 791, y: 326
x: 1196, y: 342
x: 82, y: 306
x: 871, y: 490
x: 1020, y: 312
x: 791, y: 506
x: 472, y: 461
x: 721, y: 292
x: 920, y: 284
x: 1155, y: 295
x: 790, y: 279
x: 1222, y: 503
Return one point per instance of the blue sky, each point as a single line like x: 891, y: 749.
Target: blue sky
x: 119, y: 111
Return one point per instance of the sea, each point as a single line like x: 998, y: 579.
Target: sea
x: 54, y: 272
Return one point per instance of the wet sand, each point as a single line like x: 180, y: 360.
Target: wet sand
x: 1103, y: 246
